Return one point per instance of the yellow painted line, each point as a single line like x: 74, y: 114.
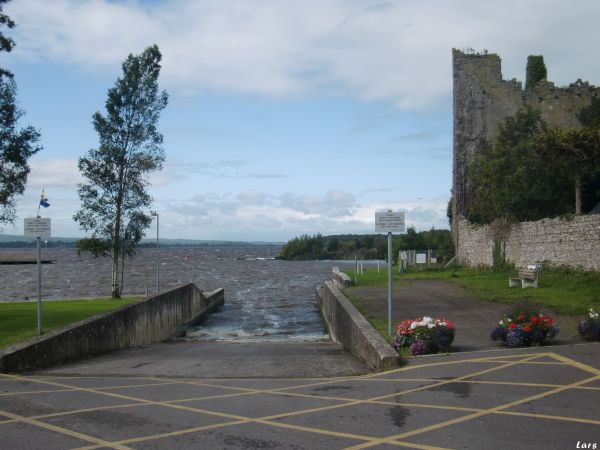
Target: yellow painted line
x: 49, y: 391
x: 316, y: 430
x: 170, y: 383
x: 182, y: 432
x: 474, y: 415
x: 550, y: 417
x: 150, y: 402
x: 396, y: 394
x: 574, y: 363
x: 64, y: 431
x: 500, y: 383
x: 213, y: 397
x: 419, y: 446
x: 85, y: 410
x: 426, y: 406
x: 266, y: 420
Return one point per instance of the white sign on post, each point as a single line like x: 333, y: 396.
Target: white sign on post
x: 389, y: 222
x: 37, y: 227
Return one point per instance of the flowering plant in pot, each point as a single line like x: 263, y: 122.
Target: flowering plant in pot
x: 589, y: 328
x: 524, y: 327
x: 424, y: 335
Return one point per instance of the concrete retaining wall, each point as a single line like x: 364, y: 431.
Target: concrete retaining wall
x: 153, y: 319
x: 350, y: 329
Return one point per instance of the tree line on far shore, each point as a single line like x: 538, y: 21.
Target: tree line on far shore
x: 367, y: 246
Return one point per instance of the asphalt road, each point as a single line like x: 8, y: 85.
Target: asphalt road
x: 544, y: 397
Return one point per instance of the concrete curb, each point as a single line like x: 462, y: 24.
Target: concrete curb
x: 350, y: 329
x: 153, y: 319
x: 340, y: 279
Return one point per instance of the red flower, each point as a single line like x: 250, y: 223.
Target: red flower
x: 549, y: 321
x: 521, y: 317
x: 534, y: 320
x: 512, y: 325
x: 527, y: 328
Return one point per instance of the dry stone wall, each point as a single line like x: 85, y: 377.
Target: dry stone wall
x: 482, y: 99
x: 574, y: 243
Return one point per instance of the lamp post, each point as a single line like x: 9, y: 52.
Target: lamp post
x: 155, y: 214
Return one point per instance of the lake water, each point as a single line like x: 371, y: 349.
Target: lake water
x: 264, y: 299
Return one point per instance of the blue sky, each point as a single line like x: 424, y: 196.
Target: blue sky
x: 284, y: 117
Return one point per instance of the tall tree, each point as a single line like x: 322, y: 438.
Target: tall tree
x: 512, y: 181
x: 115, y: 200
x: 6, y: 43
x: 16, y: 145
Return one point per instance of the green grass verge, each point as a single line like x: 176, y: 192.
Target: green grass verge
x: 18, y: 320
x: 566, y: 291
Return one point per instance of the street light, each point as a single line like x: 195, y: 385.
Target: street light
x: 155, y: 214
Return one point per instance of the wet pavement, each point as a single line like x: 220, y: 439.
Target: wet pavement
x: 544, y: 397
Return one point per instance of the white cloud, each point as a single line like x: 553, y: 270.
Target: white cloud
x: 397, y: 52
x: 53, y: 174
x: 258, y: 215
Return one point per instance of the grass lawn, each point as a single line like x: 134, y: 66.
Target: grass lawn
x: 565, y: 291
x: 18, y: 320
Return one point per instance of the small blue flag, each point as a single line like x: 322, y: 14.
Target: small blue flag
x: 44, y: 201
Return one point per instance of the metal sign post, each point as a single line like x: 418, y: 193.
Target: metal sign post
x: 38, y: 227
x: 389, y: 222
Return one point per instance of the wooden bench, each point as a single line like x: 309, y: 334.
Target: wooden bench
x: 528, y: 277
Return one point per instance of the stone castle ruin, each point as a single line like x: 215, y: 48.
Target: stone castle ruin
x: 481, y: 101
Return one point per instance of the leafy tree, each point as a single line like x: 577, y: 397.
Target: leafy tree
x: 512, y: 180
x: 574, y: 153
x: 6, y: 43
x: 16, y: 145
x: 535, y: 71
x: 590, y: 115
x: 114, y: 200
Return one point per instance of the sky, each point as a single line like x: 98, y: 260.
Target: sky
x: 284, y: 117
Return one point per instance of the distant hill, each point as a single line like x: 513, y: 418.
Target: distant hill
x: 14, y: 240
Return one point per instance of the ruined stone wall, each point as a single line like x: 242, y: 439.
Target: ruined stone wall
x: 574, y: 243
x: 482, y: 100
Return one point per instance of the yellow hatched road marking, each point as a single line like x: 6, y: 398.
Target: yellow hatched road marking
x: 169, y: 434
x: 474, y: 415
x: 65, y: 431
x: 345, y: 402
x: 247, y: 419
x: 574, y: 363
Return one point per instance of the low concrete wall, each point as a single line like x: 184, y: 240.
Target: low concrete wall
x: 153, y: 319
x: 350, y: 329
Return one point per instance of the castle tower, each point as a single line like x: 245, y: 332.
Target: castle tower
x: 482, y: 100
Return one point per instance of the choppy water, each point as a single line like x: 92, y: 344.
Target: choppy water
x: 264, y: 299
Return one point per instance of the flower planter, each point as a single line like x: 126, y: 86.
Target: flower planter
x: 589, y: 329
x: 525, y: 330
x: 424, y: 335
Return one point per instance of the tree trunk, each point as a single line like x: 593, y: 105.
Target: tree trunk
x: 116, y: 292
x: 577, y: 194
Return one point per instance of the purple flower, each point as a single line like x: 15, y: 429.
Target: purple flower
x: 418, y: 348
x: 499, y: 334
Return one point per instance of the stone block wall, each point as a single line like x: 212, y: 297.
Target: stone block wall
x: 574, y: 243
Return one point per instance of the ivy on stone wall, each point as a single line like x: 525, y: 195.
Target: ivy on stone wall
x: 536, y: 71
